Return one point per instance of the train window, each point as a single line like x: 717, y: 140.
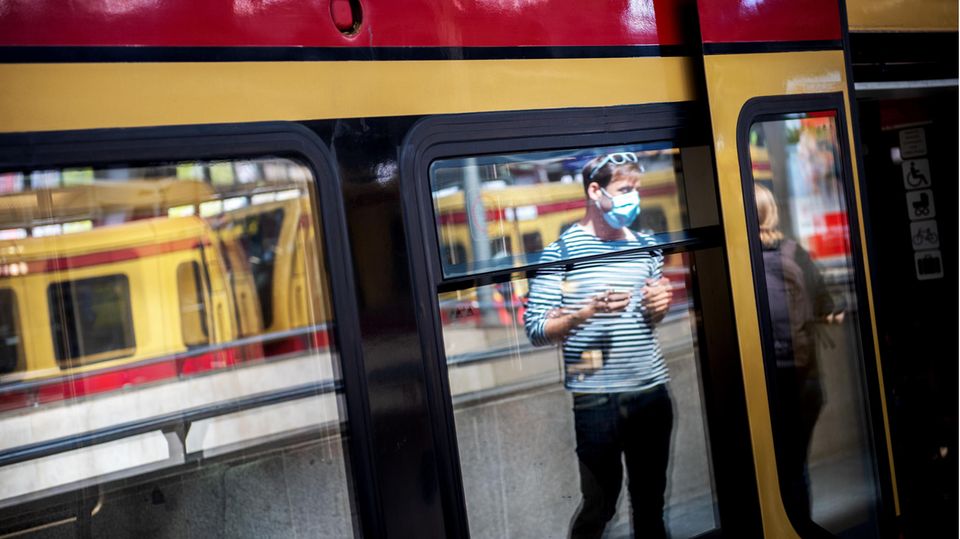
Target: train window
x: 538, y: 422
x: 187, y: 371
x: 453, y: 254
x: 90, y: 319
x: 811, y: 318
x: 193, y: 305
x: 11, y: 355
x: 478, y: 198
x: 532, y: 242
x: 260, y: 239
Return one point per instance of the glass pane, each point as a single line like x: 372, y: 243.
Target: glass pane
x: 821, y: 424
x: 193, y: 308
x: 11, y: 355
x: 90, y: 319
x: 167, y: 364
x: 543, y: 428
x: 500, y: 211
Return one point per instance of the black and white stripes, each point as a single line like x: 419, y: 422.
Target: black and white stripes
x: 611, y: 352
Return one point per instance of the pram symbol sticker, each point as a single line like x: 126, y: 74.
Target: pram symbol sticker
x: 920, y: 205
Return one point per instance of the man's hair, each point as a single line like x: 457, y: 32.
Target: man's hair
x: 607, y: 172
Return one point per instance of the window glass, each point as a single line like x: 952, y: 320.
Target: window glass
x: 489, y: 209
x: 90, y: 318
x: 193, y: 309
x: 260, y: 238
x: 10, y: 350
x: 179, y: 377
x: 813, y: 346
x: 536, y: 420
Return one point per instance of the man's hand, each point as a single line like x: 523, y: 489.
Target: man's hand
x: 559, y: 324
x: 656, y: 299
x: 608, y: 302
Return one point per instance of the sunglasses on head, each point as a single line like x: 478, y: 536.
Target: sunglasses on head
x: 619, y: 158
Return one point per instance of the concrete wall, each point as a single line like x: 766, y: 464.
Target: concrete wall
x: 297, y: 492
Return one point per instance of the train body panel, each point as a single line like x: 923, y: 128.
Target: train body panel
x: 278, y: 208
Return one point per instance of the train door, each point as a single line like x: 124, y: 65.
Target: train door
x: 779, y: 99
x: 526, y: 429
x: 905, y: 77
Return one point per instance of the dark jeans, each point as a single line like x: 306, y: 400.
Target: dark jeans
x: 800, y: 399
x: 636, y: 425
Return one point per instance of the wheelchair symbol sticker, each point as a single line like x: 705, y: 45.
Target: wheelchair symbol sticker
x: 929, y: 265
x: 920, y: 205
x: 916, y: 173
x: 923, y: 235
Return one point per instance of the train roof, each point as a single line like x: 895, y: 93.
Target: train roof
x: 148, y: 232
x: 139, y: 198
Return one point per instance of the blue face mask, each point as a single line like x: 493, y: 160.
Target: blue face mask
x: 626, y: 208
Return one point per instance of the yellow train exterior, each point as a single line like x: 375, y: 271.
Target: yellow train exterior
x: 197, y: 290
x: 151, y: 288
x: 159, y: 287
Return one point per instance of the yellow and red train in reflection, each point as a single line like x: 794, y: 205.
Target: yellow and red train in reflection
x: 158, y: 297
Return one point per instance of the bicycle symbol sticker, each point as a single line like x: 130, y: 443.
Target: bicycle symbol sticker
x: 920, y: 205
x: 923, y: 235
x: 916, y: 173
x: 929, y: 265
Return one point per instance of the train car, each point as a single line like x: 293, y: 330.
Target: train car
x: 362, y: 197
x: 96, y: 285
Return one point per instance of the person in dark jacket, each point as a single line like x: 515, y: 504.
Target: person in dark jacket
x: 798, y: 299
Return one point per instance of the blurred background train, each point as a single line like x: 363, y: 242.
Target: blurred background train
x: 263, y: 265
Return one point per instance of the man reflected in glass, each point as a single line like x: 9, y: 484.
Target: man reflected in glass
x: 603, y: 313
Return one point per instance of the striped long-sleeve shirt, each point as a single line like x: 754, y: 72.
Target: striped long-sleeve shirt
x: 610, y: 352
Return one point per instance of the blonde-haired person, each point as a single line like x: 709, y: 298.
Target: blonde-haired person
x: 797, y: 298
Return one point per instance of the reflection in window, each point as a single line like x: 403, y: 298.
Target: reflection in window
x: 90, y: 318
x: 260, y: 239
x: 185, y: 303
x: 515, y: 399
x: 490, y: 208
x: 813, y: 344
x: 10, y: 354
x: 193, y: 308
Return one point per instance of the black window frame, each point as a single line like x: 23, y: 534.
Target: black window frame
x: 207, y: 142
x: 773, y: 108
x: 683, y: 124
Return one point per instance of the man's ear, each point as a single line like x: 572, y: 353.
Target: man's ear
x: 593, y: 191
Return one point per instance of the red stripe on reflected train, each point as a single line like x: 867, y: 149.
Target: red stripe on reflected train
x: 460, y: 217
x: 295, y: 23
x: 108, y: 257
x: 85, y: 385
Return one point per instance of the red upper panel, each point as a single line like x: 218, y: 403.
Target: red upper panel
x: 309, y: 23
x: 734, y: 21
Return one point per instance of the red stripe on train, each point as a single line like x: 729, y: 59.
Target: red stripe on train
x: 109, y: 257
x: 78, y: 386
x: 295, y: 23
